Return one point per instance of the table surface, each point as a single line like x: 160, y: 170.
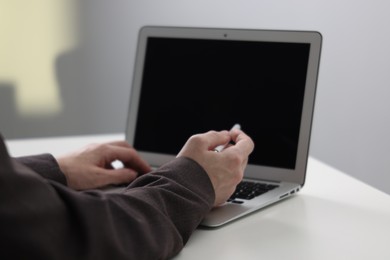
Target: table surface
x: 334, y: 216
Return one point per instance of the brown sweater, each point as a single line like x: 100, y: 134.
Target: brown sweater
x: 41, y: 218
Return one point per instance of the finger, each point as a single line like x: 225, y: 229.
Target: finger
x: 129, y: 157
x: 242, y: 141
x: 118, y: 176
x: 214, y: 138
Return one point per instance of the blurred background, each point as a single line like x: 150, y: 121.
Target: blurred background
x: 66, y: 67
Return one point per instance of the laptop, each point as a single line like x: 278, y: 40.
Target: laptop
x: 192, y: 80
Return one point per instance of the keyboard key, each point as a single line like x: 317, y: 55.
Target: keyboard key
x: 248, y: 190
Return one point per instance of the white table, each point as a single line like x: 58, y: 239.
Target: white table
x: 334, y: 216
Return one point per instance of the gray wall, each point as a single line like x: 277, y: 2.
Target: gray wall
x: 351, y: 122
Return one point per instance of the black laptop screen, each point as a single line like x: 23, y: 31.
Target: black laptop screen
x: 192, y: 85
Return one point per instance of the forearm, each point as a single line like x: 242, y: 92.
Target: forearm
x: 45, y: 165
x: 187, y: 194
x: 152, y: 220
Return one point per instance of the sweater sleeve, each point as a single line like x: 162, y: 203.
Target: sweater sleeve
x: 152, y: 219
x: 45, y: 165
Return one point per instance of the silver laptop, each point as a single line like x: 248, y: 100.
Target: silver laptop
x: 192, y: 80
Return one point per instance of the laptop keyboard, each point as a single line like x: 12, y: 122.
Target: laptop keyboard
x: 247, y: 190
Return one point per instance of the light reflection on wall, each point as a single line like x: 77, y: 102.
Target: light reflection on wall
x: 33, y: 34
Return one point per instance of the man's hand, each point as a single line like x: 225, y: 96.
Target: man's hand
x: 225, y: 168
x: 91, y: 167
